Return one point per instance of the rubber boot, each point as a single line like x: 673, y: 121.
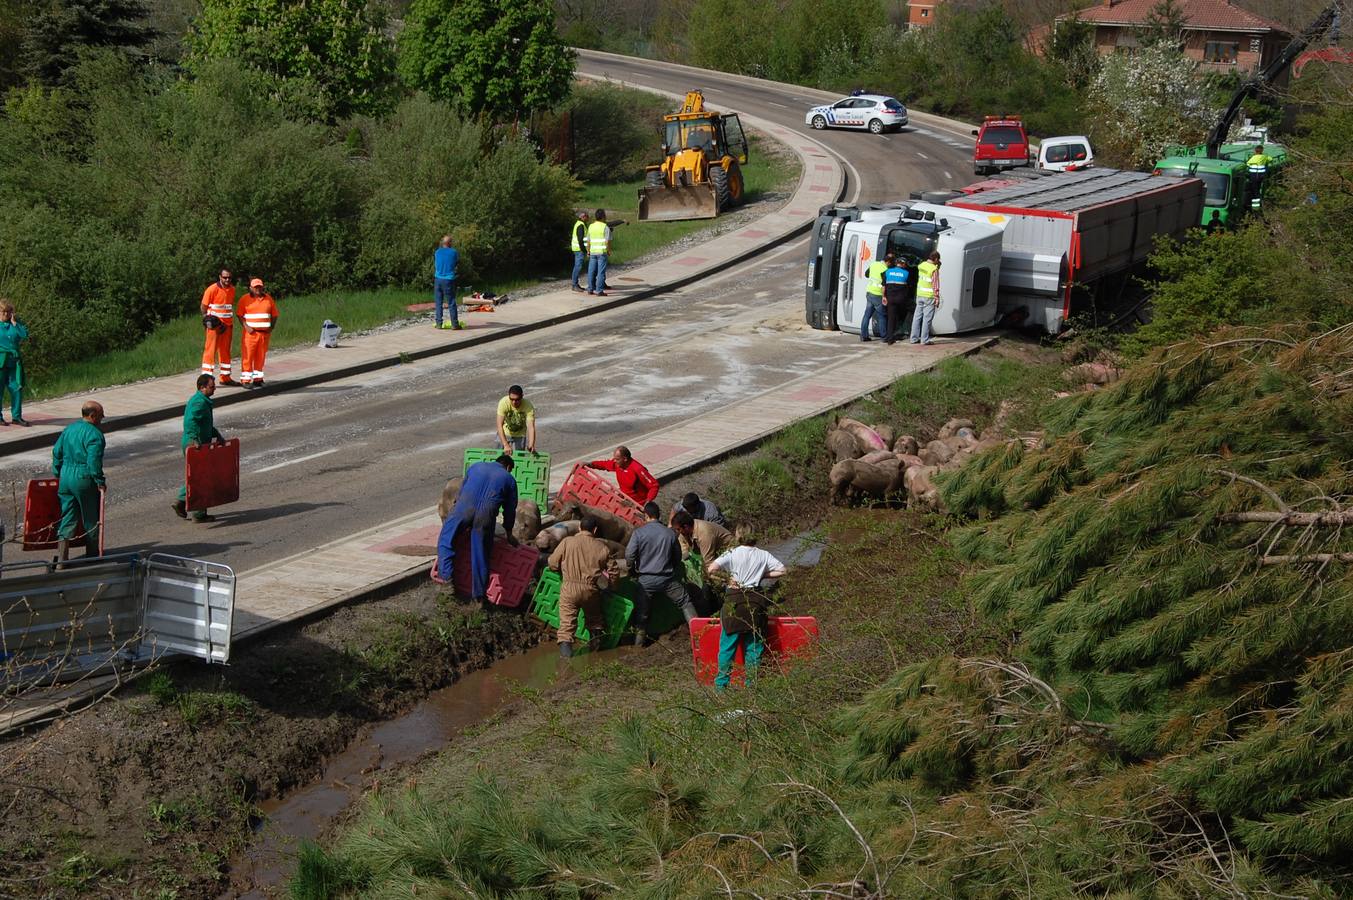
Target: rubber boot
x: 91, y: 545
x: 565, y: 649
x: 63, y: 549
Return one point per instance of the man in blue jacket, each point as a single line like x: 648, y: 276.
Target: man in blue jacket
x: 445, y: 261
x: 488, y: 487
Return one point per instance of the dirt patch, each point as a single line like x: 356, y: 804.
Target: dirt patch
x: 152, y: 791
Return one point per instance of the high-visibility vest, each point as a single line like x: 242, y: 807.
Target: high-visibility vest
x: 220, y: 302
x: 573, y: 236
x: 1258, y: 164
x: 258, y: 312
x: 875, y: 275
x: 597, y: 242
x: 925, y: 279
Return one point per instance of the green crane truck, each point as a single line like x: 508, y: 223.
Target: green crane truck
x: 1225, y: 174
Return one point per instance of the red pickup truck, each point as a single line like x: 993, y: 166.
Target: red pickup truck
x: 1002, y: 143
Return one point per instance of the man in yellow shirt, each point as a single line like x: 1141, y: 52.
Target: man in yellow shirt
x: 516, y: 421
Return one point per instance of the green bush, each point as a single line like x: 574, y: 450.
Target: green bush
x: 616, y: 131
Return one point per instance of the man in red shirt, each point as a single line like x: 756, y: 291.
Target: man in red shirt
x: 635, y: 481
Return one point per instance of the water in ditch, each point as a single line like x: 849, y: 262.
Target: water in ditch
x: 262, y: 870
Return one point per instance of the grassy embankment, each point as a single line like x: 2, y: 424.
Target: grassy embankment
x: 623, y: 772
x: 176, y: 346
x: 1124, y: 671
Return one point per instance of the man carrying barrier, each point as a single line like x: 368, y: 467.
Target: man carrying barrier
x: 516, y: 421
x: 635, y: 481
x: 77, y: 461
x: 488, y: 488
x: 199, y: 429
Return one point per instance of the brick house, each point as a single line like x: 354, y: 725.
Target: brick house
x: 1217, y: 33
x: 920, y: 15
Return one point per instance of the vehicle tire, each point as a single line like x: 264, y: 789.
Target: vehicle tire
x: 723, y: 192
x: 875, y: 126
x: 819, y: 122
x: 736, y: 188
x: 653, y: 178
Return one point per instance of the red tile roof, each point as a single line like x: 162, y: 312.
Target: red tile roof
x: 1198, y: 15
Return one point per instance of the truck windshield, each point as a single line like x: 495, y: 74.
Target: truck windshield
x: 910, y: 246
x: 1218, y: 186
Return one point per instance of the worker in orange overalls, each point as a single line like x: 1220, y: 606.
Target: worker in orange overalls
x: 258, y: 315
x: 218, y: 303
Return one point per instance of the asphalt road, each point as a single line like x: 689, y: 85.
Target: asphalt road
x: 333, y: 459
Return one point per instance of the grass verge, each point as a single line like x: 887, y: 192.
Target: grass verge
x: 767, y: 171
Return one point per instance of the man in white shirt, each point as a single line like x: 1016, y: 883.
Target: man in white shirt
x: 744, y: 611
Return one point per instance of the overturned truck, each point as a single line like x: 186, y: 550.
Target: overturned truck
x: 1007, y: 247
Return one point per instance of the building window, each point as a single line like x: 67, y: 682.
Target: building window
x: 1221, y: 52
x: 925, y: 13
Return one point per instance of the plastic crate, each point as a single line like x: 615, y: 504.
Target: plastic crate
x: 787, y: 637
x: 531, y: 471
x: 42, y: 517
x: 212, y: 473
x: 592, y: 488
x: 510, y: 570
x: 616, y: 607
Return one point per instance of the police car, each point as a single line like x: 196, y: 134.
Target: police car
x: 872, y: 111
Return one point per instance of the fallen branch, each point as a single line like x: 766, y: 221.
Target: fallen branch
x: 1297, y: 559
x: 1302, y: 519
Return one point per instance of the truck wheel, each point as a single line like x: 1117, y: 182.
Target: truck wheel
x: 875, y: 126
x: 819, y: 122
x: 653, y: 178
x: 718, y: 176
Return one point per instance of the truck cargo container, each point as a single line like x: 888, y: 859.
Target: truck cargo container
x: 1003, y: 246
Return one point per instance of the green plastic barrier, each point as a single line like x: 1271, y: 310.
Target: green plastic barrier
x: 616, y: 607
x: 531, y: 471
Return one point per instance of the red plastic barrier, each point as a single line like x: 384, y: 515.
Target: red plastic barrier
x: 212, y: 473
x: 594, y: 489
x: 42, y: 516
x: 786, y: 638
x: 510, y: 570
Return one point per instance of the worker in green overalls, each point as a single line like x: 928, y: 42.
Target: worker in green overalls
x: 77, y: 461
x: 12, y: 334
x: 198, y: 429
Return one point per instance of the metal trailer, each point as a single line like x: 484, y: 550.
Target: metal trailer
x: 1077, y: 228
x: 107, y: 613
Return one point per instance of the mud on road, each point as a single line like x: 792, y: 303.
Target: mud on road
x: 154, y: 790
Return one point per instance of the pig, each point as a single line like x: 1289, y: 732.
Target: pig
x: 910, y: 459
x: 906, y: 444
x: 1094, y: 373
x: 852, y: 479
x: 878, y: 456
x: 887, y: 433
x: 549, y: 538
x: 936, y: 453
x: 448, y: 500
x: 866, y: 437
x: 527, y: 524
x: 950, y: 428
x: 921, y: 490
x: 841, y: 444
x: 609, y: 525
x: 967, y: 436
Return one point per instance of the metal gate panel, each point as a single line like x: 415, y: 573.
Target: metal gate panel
x: 188, y: 608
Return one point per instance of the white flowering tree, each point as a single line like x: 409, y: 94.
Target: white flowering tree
x: 1144, y: 102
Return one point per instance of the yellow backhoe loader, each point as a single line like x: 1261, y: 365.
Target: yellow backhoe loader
x: 699, y: 176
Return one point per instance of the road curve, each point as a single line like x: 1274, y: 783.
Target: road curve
x: 329, y: 460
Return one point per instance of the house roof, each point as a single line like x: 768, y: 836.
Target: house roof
x: 1199, y: 15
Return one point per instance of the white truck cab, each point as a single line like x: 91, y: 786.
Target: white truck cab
x: 970, y: 260
x: 1068, y: 153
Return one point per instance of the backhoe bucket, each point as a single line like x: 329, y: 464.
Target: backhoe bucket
x: 686, y: 201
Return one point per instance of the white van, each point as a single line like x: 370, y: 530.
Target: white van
x: 1068, y: 153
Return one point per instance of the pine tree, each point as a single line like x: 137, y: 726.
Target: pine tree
x: 63, y: 28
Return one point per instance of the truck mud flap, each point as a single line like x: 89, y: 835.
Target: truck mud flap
x: 666, y: 204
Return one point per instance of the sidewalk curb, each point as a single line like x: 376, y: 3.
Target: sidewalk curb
x: 47, y: 438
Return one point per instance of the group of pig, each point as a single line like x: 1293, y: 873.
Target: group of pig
x: 613, y: 531
x: 871, y: 463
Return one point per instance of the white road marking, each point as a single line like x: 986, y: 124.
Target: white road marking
x: 779, y: 105
x: 885, y: 137
x: 922, y: 155
x: 948, y: 176
x: 300, y: 459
